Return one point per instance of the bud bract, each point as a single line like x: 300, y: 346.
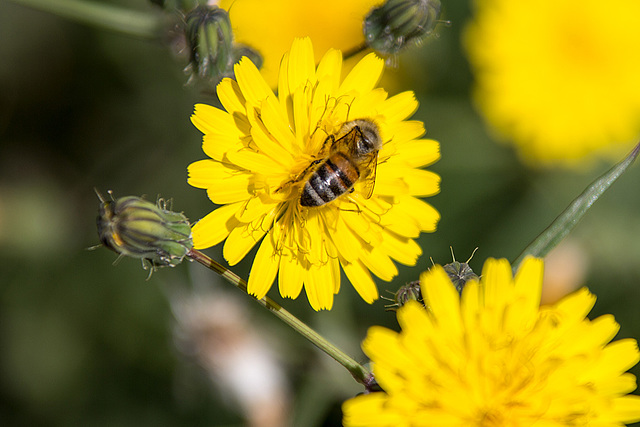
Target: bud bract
x: 409, y: 292
x: 134, y: 227
x: 210, y: 38
x: 459, y: 273
x: 390, y: 27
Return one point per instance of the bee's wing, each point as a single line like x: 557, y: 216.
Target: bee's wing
x: 346, y: 143
x: 368, y: 179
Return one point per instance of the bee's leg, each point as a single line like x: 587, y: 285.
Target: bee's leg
x: 331, y: 138
x: 300, y: 175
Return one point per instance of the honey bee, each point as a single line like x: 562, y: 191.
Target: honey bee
x: 352, y: 156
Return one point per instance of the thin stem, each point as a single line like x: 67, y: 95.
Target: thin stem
x: 359, y: 372
x: 106, y: 16
x: 569, y: 218
x: 355, y: 51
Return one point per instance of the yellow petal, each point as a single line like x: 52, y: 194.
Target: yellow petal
x: 302, y: 110
x: 212, y: 120
x: 330, y: 69
x: 253, y: 87
x: 382, y: 345
x: 255, y: 162
x: 361, y: 227
x: 347, y: 242
x: 379, y: 263
x: 231, y: 98
x: 425, y: 215
x: 415, y: 153
x: 265, y: 266
x: 291, y: 275
x: 619, y: 356
x: 224, y: 184
x: 273, y: 146
x: 367, y: 410
x: 397, y: 221
x: 301, y: 67
x: 277, y: 123
x: 364, y: 76
x: 421, y: 182
x: 215, y: 227
x: 216, y: 146
x: 497, y: 281
x: 402, y: 249
x: 626, y: 409
x: 575, y: 307
x: 361, y: 280
x: 240, y: 242
x: 442, y: 298
x: 400, y: 106
x: 318, y: 285
x: 406, y: 130
x: 367, y: 105
x: 528, y: 284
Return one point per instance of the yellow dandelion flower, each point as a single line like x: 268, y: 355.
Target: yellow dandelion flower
x: 494, y: 357
x: 558, y: 78
x: 264, y: 148
x: 270, y: 26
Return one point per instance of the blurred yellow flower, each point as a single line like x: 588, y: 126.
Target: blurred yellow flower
x: 270, y: 26
x: 494, y: 357
x: 558, y: 78
x: 263, y: 148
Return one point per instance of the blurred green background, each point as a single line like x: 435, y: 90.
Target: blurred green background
x: 84, y: 342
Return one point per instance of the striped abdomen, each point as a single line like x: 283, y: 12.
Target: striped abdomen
x: 334, y: 177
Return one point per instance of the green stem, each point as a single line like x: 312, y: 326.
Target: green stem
x: 109, y: 17
x: 359, y: 372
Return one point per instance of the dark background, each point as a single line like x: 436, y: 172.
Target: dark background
x: 84, y: 342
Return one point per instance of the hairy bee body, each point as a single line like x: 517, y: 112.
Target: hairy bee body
x: 353, y: 156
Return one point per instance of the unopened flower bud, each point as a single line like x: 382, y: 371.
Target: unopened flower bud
x: 134, y: 227
x: 391, y: 26
x: 459, y: 273
x: 210, y: 39
x: 409, y: 292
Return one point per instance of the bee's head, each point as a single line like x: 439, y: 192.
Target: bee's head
x: 369, y: 140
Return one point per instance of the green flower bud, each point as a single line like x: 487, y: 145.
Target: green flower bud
x: 209, y: 37
x: 391, y: 26
x: 459, y: 273
x: 134, y: 227
x: 409, y: 292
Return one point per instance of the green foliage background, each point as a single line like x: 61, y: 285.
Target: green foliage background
x: 83, y: 342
